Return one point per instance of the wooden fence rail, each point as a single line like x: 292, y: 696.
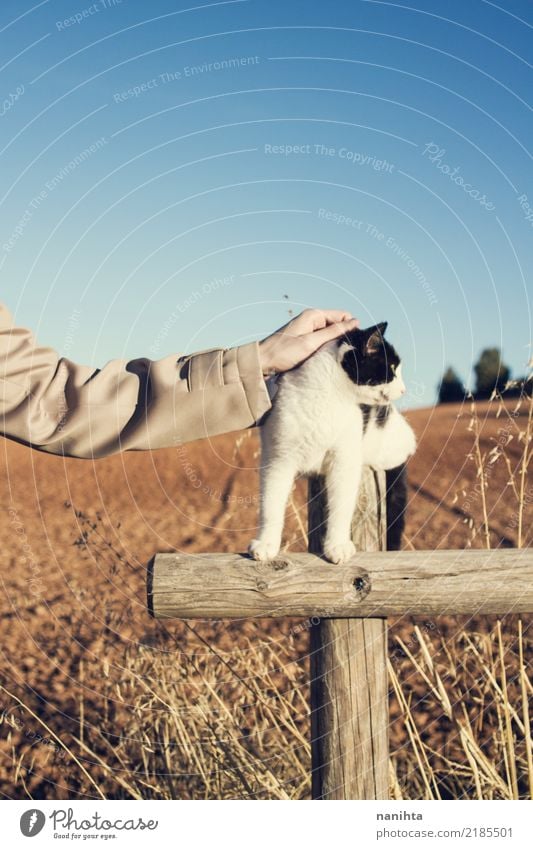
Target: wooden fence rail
x: 193, y: 586
x: 349, y: 686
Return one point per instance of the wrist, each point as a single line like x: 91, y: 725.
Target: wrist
x: 266, y: 359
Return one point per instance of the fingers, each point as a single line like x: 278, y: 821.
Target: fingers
x: 323, y: 318
x: 332, y: 331
x: 294, y: 343
x: 333, y: 316
x: 311, y: 321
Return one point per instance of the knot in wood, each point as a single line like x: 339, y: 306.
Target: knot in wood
x: 361, y: 584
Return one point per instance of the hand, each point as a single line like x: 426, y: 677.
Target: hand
x: 296, y: 341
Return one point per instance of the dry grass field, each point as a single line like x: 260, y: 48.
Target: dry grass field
x: 98, y: 700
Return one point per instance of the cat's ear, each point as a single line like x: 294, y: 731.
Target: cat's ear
x: 374, y: 337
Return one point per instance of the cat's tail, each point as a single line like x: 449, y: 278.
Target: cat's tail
x: 396, y: 502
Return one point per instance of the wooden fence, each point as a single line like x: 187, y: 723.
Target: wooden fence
x: 349, y: 684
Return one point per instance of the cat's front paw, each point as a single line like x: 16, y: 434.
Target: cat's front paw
x: 339, y: 552
x: 263, y: 549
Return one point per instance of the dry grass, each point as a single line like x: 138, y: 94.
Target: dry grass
x: 173, y: 722
x: 470, y: 691
x: 474, y: 701
x: 220, y: 710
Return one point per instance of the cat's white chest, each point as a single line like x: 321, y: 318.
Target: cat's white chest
x: 326, y: 428
x: 306, y: 424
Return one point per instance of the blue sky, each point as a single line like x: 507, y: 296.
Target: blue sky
x: 177, y: 177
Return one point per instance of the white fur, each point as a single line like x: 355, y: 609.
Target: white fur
x: 316, y: 426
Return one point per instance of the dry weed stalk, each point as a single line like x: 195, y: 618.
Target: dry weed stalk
x: 176, y: 715
x: 480, y: 717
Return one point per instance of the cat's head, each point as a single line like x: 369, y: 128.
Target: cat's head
x: 372, y: 364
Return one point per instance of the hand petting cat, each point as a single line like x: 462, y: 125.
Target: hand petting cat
x: 302, y: 336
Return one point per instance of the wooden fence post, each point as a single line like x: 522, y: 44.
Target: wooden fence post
x: 349, y: 684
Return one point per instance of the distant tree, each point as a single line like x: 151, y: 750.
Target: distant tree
x: 451, y: 387
x: 491, y: 373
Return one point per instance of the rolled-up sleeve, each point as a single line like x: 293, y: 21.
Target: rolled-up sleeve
x: 55, y: 405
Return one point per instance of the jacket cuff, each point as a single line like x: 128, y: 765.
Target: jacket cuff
x: 237, y: 368
x: 251, y: 375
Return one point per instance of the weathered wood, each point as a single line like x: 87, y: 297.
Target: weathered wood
x: 398, y: 583
x: 348, y: 658
x: 349, y: 687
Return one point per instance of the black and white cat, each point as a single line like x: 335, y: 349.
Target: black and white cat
x: 332, y: 415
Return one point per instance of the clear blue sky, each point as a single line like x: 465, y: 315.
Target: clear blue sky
x: 177, y: 176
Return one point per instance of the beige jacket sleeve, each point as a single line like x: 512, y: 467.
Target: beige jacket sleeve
x: 57, y: 406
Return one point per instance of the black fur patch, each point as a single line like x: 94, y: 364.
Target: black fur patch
x: 382, y: 414
x: 396, y: 502
x: 372, y: 360
x: 365, y: 409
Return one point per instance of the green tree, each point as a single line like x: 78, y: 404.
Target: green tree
x: 491, y: 373
x: 451, y: 387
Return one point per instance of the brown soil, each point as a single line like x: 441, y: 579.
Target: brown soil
x: 78, y: 535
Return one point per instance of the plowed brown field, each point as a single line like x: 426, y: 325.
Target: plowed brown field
x: 76, y: 537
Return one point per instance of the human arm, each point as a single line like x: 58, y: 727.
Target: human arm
x: 60, y: 407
